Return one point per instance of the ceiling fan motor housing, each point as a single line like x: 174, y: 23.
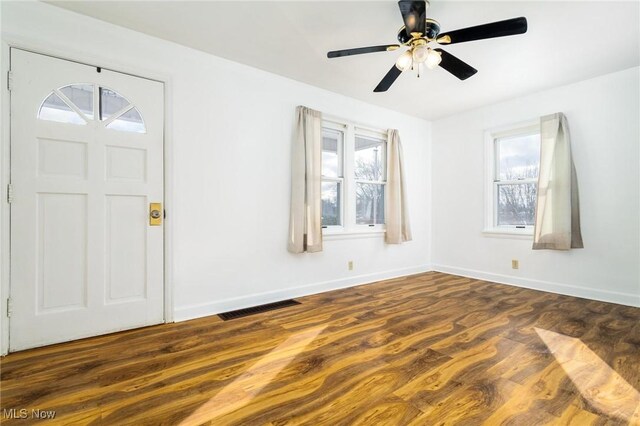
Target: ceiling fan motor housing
x: 431, y: 31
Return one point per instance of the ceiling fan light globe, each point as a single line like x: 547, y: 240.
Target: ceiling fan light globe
x: 405, y: 61
x: 420, y: 54
x: 411, y: 20
x: 433, y: 59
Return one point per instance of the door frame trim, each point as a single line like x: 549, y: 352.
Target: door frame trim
x: 87, y: 58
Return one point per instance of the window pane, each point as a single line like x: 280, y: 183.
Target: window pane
x: 369, y: 203
x: 331, y: 153
x: 331, y: 204
x: 54, y: 109
x: 516, y: 204
x: 110, y: 103
x: 369, y: 159
x: 518, y: 157
x: 130, y: 121
x: 82, y: 96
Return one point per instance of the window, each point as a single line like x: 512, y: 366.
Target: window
x: 370, y: 175
x: 116, y: 111
x: 70, y: 104
x: 513, y: 165
x: 332, y: 176
x: 74, y: 104
x: 354, y: 161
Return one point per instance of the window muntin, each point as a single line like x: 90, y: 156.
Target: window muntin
x: 370, y: 179
x: 332, y: 176
x: 74, y: 104
x: 516, y: 163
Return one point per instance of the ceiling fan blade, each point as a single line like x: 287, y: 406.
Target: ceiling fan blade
x: 495, y: 29
x: 388, y: 79
x: 413, y: 13
x: 455, y: 66
x: 361, y: 50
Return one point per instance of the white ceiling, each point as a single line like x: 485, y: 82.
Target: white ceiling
x: 566, y: 42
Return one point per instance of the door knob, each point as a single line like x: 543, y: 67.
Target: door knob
x: 155, y: 214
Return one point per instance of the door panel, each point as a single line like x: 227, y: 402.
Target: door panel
x: 126, y: 239
x: 86, y: 161
x: 62, y: 252
x: 128, y: 164
x: 62, y: 158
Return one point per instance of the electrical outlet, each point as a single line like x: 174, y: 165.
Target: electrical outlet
x: 515, y: 264
x: 351, y: 265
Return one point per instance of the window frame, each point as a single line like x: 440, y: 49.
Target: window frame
x: 493, y: 182
x: 349, y: 228
x: 332, y: 126
x: 375, y: 135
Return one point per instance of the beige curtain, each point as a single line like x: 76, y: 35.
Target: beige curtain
x: 305, y: 220
x: 557, y: 218
x: 397, y: 213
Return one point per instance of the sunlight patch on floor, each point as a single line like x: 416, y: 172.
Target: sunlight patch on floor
x: 598, y: 383
x: 248, y: 385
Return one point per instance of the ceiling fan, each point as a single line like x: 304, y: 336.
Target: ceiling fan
x: 416, y: 34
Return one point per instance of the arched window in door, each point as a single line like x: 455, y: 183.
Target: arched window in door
x: 74, y: 104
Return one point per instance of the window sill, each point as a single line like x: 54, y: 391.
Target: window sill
x: 352, y: 235
x: 518, y: 234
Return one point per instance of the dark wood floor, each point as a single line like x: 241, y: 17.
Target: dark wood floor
x: 423, y: 350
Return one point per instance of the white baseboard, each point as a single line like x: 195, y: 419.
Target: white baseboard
x: 211, y: 308
x: 628, y: 299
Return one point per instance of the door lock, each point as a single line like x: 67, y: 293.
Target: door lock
x: 155, y: 214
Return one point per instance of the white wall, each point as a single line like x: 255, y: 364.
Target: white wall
x: 604, y: 117
x: 230, y: 127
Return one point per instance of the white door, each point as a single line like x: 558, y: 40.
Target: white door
x: 86, y: 162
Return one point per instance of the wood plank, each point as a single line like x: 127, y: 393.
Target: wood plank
x: 422, y: 349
